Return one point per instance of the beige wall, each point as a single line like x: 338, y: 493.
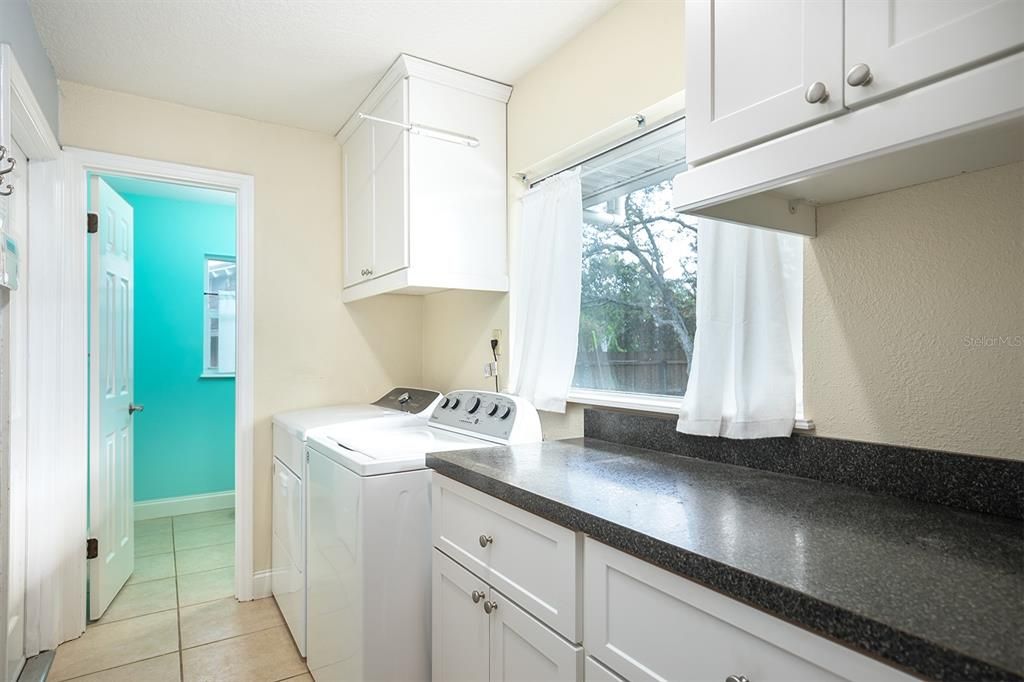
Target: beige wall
x: 629, y: 59
x: 893, y: 282
x: 310, y: 349
x: 893, y: 285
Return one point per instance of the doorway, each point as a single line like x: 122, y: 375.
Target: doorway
x: 139, y: 180
x: 163, y: 283
x: 14, y: 403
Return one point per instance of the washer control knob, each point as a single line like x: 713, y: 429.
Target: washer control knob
x: 507, y: 413
x: 493, y: 411
x: 444, y: 403
x: 474, y: 405
x: 455, y: 403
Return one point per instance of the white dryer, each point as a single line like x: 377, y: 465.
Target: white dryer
x: 369, y: 534
x: 400, y: 406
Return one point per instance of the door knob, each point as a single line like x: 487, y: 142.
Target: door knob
x: 859, y: 75
x: 490, y: 606
x: 477, y: 596
x: 736, y: 678
x: 817, y: 93
x: 133, y: 408
x: 485, y: 540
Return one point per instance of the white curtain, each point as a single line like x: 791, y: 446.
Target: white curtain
x: 746, y: 373
x: 545, y: 301
x: 226, y: 332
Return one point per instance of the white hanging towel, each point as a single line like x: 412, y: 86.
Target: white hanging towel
x: 226, y: 332
x: 545, y: 299
x: 746, y: 357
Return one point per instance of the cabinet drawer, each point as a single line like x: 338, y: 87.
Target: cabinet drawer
x: 532, y: 561
x: 649, y: 624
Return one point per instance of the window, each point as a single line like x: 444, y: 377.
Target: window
x: 639, y: 271
x: 219, y: 317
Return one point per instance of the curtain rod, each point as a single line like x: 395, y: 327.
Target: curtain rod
x: 426, y: 131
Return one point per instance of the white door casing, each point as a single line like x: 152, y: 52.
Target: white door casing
x: 906, y: 43
x: 15, y: 447
x: 111, y: 379
x: 750, y: 64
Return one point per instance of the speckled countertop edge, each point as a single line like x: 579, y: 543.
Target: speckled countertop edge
x: 905, y: 651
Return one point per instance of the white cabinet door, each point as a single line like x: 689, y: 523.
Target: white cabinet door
x: 391, y: 184
x: 750, y: 64
x: 459, y: 635
x: 905, y: 43
x: 357, y: 180
x: 525, y: 650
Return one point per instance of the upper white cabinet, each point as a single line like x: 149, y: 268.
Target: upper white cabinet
x: 761, y: 69
x: 424, y: 184
x: 916, y: 90
x: 898, y: 44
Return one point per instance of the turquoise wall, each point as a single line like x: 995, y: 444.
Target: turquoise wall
x: 184, y: 440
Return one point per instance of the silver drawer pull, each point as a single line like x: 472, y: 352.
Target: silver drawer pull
x: 485, y: 540
x: 859, y: 75
x: 817, y: 93
x: 736, y: 678
x: 477, y: 596
x: 490, y: 606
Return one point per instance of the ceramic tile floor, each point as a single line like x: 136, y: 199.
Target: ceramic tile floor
x: 177, y: 619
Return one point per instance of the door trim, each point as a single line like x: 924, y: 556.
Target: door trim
x: 80, y: 162
x: 25, y: 121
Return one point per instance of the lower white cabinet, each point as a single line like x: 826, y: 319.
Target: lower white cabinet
x: 645, y: 623
x: 479, y: 634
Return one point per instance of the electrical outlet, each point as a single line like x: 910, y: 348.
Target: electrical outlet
x: 496, y: 336
x: 490, y: 369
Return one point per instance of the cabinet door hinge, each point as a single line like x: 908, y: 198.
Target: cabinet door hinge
x: 92, y: 223
x: 92, y: 548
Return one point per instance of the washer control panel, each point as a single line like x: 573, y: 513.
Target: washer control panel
x: 483, y: 412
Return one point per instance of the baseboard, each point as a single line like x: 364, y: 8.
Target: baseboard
x: 261, y: 584
x: 189, y: 504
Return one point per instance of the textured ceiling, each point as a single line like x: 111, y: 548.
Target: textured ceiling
x: 303, y: 63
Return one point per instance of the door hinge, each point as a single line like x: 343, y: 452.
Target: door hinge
x: 92, y: 223
x: 92, y: 548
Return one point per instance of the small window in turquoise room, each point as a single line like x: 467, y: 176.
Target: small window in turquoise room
x: 219, y: 317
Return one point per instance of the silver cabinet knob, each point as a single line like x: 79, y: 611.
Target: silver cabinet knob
x: 736, y: 678
x: 477, y: 596
x: 490, y: 606
x: 132, y: 408
x: 485, y: 540
x: 859, y: 75
x: 817, y: 93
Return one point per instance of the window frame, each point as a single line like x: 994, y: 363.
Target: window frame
x: 208, y: 373
x: 656, y: 403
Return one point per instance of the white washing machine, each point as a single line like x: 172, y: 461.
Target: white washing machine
x: 369, y: 534
x: 400, y: 406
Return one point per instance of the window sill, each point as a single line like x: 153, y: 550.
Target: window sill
x: 217, y: 375
x: 640, y: 402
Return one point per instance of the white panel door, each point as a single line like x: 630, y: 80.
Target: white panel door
x: 357, y: 180
x: 111, y: 378
x: 905, y: 43
x: 525, y: 650
x: 15, y: 386
x: 459, y: 628
x: 750, y: 64
x: 391, y: 183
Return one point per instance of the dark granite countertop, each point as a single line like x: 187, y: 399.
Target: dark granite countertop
x: 933, y: 590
